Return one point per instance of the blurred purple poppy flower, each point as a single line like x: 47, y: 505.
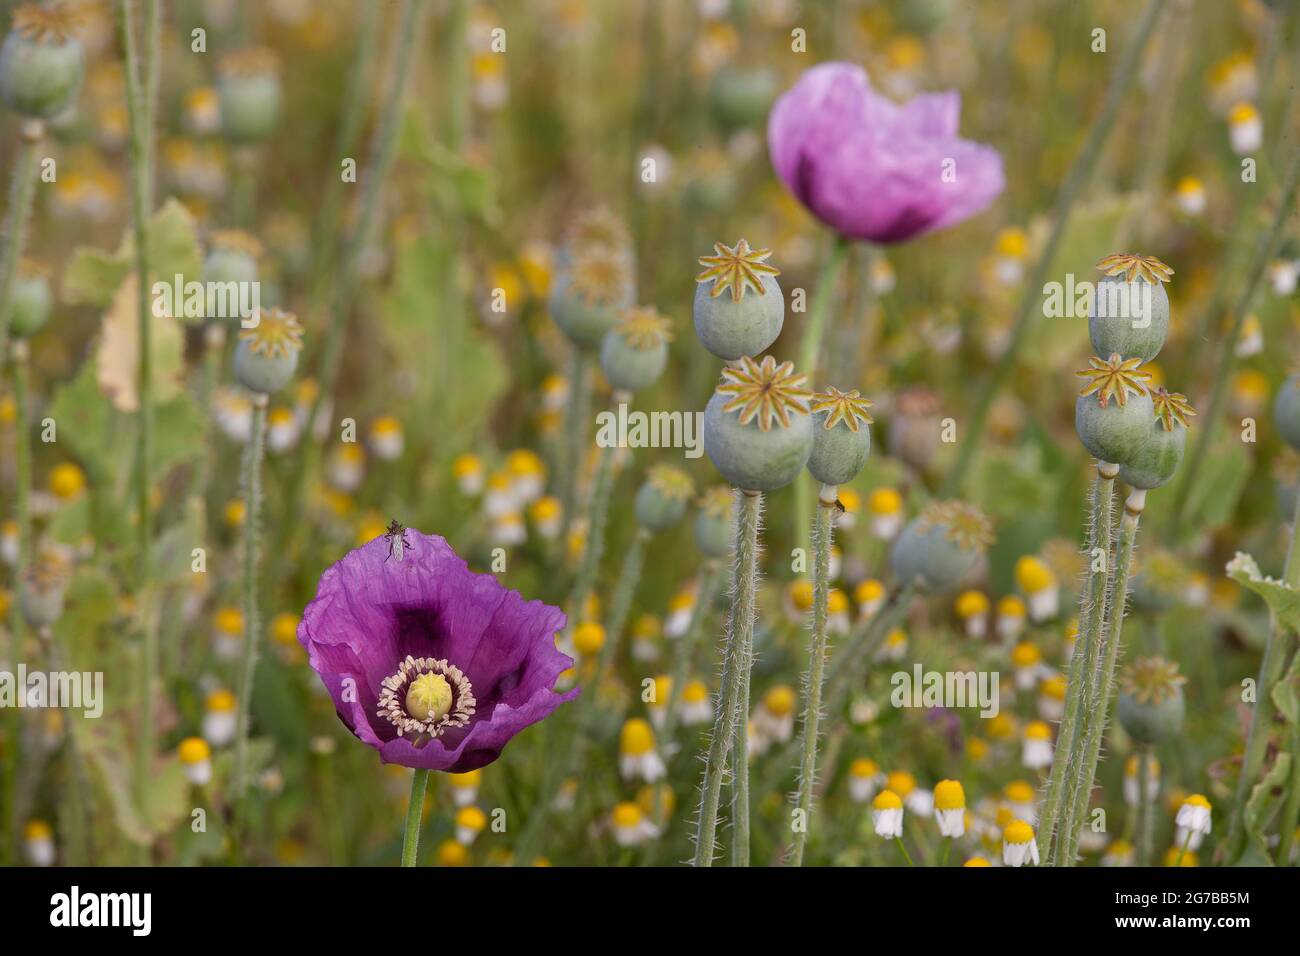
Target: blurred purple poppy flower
x: 434, y: 666
x: 873, y: 170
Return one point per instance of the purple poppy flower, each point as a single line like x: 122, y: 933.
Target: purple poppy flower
x: 433, y: 665
x: 871, y: 169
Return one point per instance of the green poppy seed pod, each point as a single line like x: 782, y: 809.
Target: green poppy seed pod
x: 841, y: 436
x: 1151, y: 707
x: 1114, y: 412
x: 597, y: 229
x: 1159, y: 582
x: 41, y: 61
x: 1129, y: 316
x: 267, y: 354
x: 588, y: 297
x: 1155, y: 460
x: 250, y: 94
x: 41, y: 591
x: 741, y: 96
x: 757, y: 430
x: 232, y: 258
x: 633, y: 353
x: 1286, y: 411
x: 715, y: 522
x: 29, y: 308
x: 661, y: 500
x: 940, y: 549
x: 739, y: 306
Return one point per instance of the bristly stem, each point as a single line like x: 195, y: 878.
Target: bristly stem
x: 22, y: 192
x: 809, y: 353
x: 1092, y: 603
x: 141, y: 73
x: 252, y: 481
x: 414, y: 816
x: 1271, y: 667
x: 823, y: 529
x: 1264, y: 252
x: 744, y: 584
x: 1104, y: 680
x: 1120, y: 89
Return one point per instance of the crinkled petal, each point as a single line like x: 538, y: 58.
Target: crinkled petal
x: 370, y: 612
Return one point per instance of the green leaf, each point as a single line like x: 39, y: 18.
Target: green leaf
x: 1261, y: 805
x: 1282, y: 599
x: 102, y: 743
x: 93, y: 276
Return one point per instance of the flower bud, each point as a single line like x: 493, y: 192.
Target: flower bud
x: 741, y: 96
x: 841, y: 436
x: 41, y: 61
x: 633, y: 353
x: 757, y: 430
x: 938, y: 550
x: 739, y: 306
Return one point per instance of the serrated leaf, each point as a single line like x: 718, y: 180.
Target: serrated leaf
x: 1282, y: 599
x: 93, y: 276
x: 1261, y: 805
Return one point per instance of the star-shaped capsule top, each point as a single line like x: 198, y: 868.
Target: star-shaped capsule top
x: 738, y: 268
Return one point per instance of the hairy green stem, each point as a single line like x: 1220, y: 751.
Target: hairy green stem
x: 414, y: 816
x: 1291, y: 805
x: 1271, y: 669
x: 575, y: 430
x: 1081, y: 170
x: 744, y: 586
x: 594, y: 549
x: 1112, y: 633
x: 252, y: 481
x: 823, y: 530
x: 1264, y: 252
x: 22, y: 191
x: 629, y: 576
x: 1092, y: 603
x: 809, y: 354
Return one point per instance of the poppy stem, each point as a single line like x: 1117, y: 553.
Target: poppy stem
x: 628, y: 579
x: 809, y: 353
x: 1142, y: 833
x: 1092, y: 601
x: 735, y: 658
x: 823, y: 531
x: 252, y: 480
x: 1120, y: 90
x: 414, y: 817
x: 1104, y: 678
x: 21, y: 193
x: 1264, y: 251
x: 1271, y: 669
